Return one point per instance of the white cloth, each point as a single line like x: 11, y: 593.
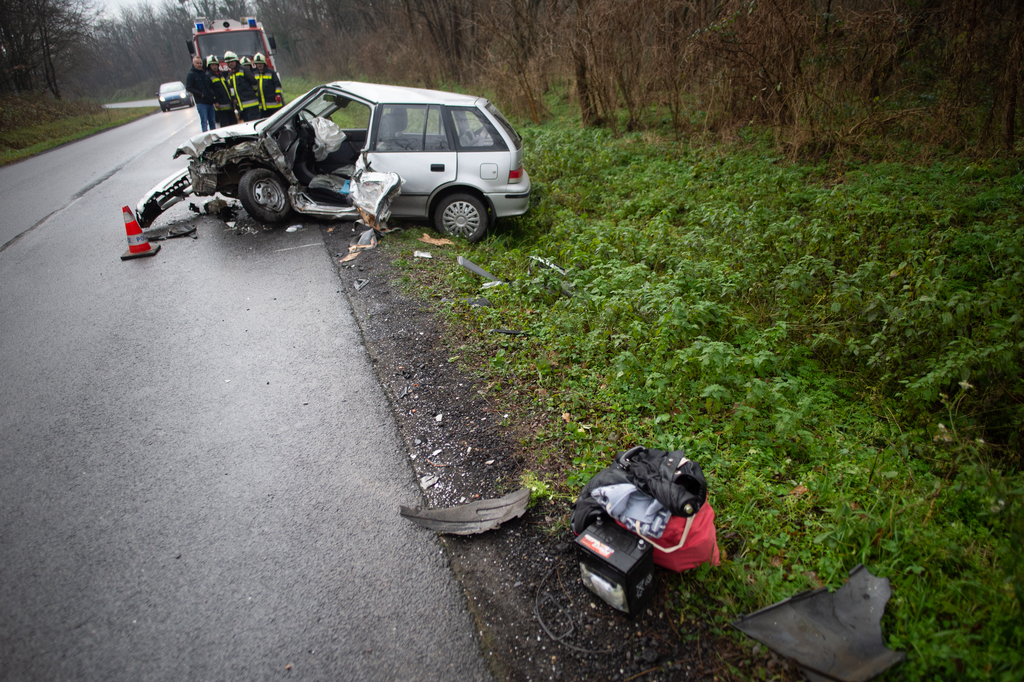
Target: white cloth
x: 624, y: 502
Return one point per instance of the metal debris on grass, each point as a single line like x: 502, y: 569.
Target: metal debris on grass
x: 833, y: 636
x: 471, y: 302
x: 477, y: 270
x: 548, y: 264
x: 470, y: 519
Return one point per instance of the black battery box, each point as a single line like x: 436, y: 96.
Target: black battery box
x: 616, y: 565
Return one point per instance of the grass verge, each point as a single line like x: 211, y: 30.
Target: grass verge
x: 30, y: 125
x: 840, y: 346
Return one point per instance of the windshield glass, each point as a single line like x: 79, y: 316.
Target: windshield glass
x: 242, y: 43
x: 171, y: 87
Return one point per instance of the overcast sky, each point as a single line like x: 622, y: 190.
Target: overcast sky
x: 111, y: 7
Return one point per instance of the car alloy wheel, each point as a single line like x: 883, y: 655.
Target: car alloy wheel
x: 464, y: 216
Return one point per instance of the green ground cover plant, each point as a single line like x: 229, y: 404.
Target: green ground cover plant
x: 32, y: 124
x: 839, y: 344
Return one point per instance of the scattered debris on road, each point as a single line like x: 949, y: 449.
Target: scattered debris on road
x: 470, y: 519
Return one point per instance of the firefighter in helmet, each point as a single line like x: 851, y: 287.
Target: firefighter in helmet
x: 242, y: 87
x: 268, y: 86
x: 223, y: 107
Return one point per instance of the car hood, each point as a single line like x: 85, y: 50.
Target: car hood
x: 231, y: 134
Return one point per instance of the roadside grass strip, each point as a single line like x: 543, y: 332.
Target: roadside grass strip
x: 840, y: 345
x: 22, y: 141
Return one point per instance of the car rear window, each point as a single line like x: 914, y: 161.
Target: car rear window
x: 516, y: 140
x: 473, y: 132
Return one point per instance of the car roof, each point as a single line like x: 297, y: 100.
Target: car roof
x: 397, y: 94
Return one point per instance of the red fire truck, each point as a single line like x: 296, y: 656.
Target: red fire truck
x: 245, y: 38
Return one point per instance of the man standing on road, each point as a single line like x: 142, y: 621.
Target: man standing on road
x: 221, y: 95
x: 268, y: 86
x: 197, y: 82
x: 242, y: 86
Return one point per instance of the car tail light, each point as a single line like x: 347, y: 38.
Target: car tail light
x: 515, y: 176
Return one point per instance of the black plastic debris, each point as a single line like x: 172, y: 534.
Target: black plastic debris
x: 470, y: 519
x: 171, y: 231
x: 833, y: 636
x: 509, y: 332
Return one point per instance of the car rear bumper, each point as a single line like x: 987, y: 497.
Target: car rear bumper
x: 516, y: 202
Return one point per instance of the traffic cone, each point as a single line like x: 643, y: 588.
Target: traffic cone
x: 138, y: 245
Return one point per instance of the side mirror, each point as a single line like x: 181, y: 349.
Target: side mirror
x: 191, y: 48
x: 270, y: 39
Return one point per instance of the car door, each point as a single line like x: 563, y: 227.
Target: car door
x: 413, y: 141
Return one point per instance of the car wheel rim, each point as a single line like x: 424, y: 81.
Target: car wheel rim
x: 268, y: 195
x: 460, y: 218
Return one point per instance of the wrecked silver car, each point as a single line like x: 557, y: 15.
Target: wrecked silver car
x: 347, y: 150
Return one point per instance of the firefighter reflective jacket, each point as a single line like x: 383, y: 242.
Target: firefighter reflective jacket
x: 268, y: 89
x: 242, y: 85
x: 221, y: 94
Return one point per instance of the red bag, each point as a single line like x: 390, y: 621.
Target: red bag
x: 687, y: 542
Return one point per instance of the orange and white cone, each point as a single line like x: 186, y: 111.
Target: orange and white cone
x: 138, y: 245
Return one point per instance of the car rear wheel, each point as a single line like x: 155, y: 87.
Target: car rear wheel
x: 264, y: 195
x: 462, y: 215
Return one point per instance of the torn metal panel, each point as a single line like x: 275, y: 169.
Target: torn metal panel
x: 273, y: 150
x: 548, y: 264
x: 372, y: 194
x: 173, y: 189
x: 470, y: 519
x: 477, y: 270
x: 302, y: 203
x: 833, y: 636
x: 203, y: 177
x: 246, y: 150
x: 197, y: 144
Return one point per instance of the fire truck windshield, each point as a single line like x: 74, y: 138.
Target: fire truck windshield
x: 242, y: 43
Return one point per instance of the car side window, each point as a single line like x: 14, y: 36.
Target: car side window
x: 411, y: 128
x: 474, y: 132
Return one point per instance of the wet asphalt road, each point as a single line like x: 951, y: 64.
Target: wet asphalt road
x: 199, y: 474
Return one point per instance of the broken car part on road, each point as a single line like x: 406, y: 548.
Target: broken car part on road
x: 833, y: 636
x: 470, y: 519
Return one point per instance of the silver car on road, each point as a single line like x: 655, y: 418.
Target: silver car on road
x: 459, y: 159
